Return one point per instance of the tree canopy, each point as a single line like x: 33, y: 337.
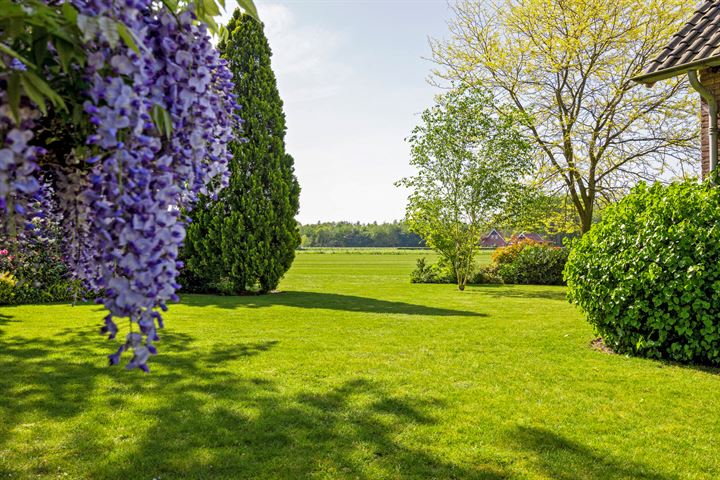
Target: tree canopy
x: 568, y: 66
x: 470, y: 161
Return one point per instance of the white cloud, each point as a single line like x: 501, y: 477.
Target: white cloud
x: 305, y: 57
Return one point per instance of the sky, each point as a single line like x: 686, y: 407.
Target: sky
x: 353, y: 78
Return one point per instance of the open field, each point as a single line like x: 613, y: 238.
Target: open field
x: 350, y: 372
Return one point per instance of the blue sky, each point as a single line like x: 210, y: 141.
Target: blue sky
x: 353, y: 80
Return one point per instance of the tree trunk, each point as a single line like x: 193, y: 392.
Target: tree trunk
x: 586, y: 216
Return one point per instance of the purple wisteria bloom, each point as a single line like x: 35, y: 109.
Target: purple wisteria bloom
x: 121, y: 192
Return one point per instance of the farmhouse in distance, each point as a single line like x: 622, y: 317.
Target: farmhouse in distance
x: 495, y: 239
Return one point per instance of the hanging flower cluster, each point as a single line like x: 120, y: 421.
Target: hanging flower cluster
x: 159, y: 116
x: 19, y: 171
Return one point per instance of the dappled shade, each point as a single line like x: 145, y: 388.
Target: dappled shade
x: 202, y: 424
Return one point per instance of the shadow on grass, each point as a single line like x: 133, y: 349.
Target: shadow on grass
x: 520, y: 291
x: 252, y: 430
x: 194, y: 417
x: 328, y: 301
x: 557, y: 457
x: 4, y: 320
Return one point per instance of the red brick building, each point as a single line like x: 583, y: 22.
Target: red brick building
x: 695, y: 51
x: 535, y: 237
x: 493, y: 239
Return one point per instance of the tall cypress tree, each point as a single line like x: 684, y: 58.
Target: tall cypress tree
x: 246, y: 240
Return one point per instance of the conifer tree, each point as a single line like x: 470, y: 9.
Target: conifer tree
x: 245, y: 241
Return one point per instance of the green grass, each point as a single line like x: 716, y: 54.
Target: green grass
x: 350, y: 372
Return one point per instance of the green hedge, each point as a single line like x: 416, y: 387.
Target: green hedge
x: 535, y: 264
x: 648, y: 275
x: 36, y: 275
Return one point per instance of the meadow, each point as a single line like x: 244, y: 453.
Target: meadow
x: 350, y: 371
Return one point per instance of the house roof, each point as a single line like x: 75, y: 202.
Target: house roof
x: 494, y: 238
x: 531, y: 236
x: 695, y: 46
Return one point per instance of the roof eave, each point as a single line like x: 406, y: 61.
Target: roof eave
x: 650, y: 78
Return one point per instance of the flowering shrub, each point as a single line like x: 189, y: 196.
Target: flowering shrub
x: 140, y: 120
x: 509, y: 253
x: 40, y: 275
x: 7, y: 288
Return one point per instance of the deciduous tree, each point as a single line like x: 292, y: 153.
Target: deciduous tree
x: 568, y: 65
x: 470, y: 161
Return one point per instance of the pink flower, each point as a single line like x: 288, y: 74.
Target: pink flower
x: 4, y: 252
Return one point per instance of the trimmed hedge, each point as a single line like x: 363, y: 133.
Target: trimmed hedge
x: 648, y: 275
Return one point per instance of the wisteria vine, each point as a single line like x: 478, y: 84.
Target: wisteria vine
x: 160, y: 115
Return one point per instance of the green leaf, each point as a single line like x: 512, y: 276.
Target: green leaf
x: 168, y: 123
x: 210, y: 8
x: 69, y: 12
x: 127, y: 37
x: 44, y: 89
x: 172, y: 5
x: 33, y: 93
x: 39, y: 45
x: 161, y: 119
x: 66, y: 54
x: 222, y: 34
x: 108, y: 27
x: 13, y: 88
x: 87, y: 25
x: 5, y: 49
x: 249, y: 7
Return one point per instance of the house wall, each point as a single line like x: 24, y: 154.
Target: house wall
x: 710, y: 78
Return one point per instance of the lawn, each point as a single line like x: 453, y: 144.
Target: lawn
x: 350, y: 372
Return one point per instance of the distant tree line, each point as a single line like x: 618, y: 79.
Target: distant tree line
x: 348, y: 234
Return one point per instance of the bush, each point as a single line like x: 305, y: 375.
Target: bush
x: 39, y: 276
x: 435, y: 273
x: 487, y: 275
x: 508, y: 254
x: 648, y: 275
x: 526, y: 262
x: 532, y: 264
x: 7, y: 288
